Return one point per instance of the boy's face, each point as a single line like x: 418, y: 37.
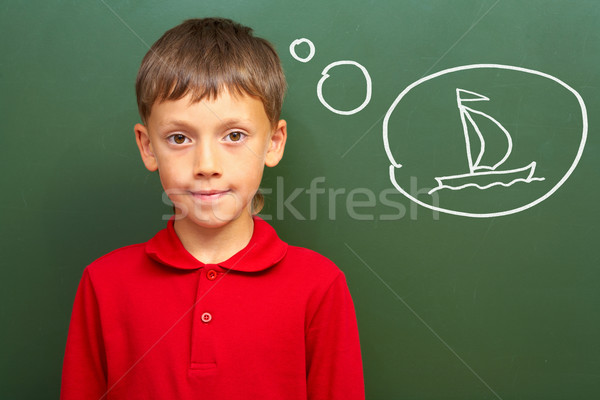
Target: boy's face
x: 210, y: 154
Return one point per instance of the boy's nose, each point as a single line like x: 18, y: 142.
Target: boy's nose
x: 206, y: 161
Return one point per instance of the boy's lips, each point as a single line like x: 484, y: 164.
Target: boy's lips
x: 209, y: 195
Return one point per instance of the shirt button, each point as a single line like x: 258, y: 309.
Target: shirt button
x: 211, y: 274
x: 206, y: 317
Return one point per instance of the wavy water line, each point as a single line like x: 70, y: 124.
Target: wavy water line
x: 528, y: 180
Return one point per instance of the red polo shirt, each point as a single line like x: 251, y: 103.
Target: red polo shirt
x: 272, y: 322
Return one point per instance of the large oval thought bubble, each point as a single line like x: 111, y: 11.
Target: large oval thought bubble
x: 484, y: 140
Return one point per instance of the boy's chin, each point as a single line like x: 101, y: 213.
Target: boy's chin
x: 210, y: 220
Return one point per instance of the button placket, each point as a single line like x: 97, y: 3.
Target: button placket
x: 203, y: 355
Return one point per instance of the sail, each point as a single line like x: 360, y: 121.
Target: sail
x: 495, y: 143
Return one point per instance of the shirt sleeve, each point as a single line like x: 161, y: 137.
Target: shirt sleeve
x: 334, y: 364
x: 84, y: 365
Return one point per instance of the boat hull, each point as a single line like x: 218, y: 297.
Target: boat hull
x: 486, y: 179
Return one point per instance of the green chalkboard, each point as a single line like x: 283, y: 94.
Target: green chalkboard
x: 444, y: 154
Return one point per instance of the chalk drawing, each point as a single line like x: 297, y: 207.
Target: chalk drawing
x: 483, y: 171
x: 326, y: 75
x: 311, y: 50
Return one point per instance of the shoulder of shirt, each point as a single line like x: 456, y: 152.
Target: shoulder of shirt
x: 117, y: 258
x: 318, y: 263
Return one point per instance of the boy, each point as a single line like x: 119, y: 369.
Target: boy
x: 215, y: 306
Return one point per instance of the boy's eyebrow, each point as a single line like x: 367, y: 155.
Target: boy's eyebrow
x: 174, y: 123
x: 231, y: 122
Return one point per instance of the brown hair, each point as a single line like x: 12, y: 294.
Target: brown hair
x: 204, y: 56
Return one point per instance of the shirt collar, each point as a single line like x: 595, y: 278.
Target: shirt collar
x: 264, y: 250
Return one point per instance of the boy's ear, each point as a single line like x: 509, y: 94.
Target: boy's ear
x: 143, y: 141
x: 276, y: 144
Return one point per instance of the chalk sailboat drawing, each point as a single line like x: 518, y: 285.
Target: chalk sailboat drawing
x: 483, y: 169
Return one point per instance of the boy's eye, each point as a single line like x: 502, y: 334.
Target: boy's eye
x: 177, y: 138
x: 235, y: 136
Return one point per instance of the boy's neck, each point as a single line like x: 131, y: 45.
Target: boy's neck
x: 214, y: 245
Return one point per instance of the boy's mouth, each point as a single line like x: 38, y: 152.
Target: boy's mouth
x: 209, y: 195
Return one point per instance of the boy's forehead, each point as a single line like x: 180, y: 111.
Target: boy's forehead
x: 226, y: 108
